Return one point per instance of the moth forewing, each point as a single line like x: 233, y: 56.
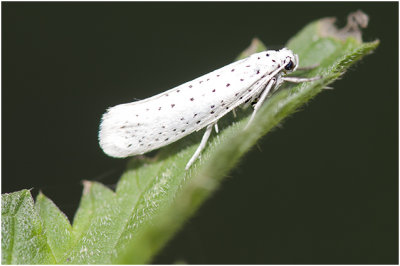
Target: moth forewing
x: 184, y: 85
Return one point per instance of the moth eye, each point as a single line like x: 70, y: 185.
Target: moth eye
x: 289, y: 66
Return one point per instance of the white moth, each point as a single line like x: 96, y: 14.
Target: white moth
x: 142, y: 126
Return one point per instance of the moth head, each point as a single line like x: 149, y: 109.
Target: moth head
x: 290, y: 60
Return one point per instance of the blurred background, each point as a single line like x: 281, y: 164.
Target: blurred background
x: 322, y: 188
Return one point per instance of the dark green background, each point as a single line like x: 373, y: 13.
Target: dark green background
x: 323, y: 188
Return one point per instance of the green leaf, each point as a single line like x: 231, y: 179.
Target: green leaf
x: 57, y: 227
x: 23, y: 237
x: 155, y: 196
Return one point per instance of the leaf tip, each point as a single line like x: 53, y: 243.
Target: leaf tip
x: 355, y: 22
x: 87, y: 185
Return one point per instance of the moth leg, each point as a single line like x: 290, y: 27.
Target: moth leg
x: 201, y: 146
x: 263, y: 96
x: 299, y: 80
x: 307, y: 67
x: 234, y: 112
x: 216, y: 127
